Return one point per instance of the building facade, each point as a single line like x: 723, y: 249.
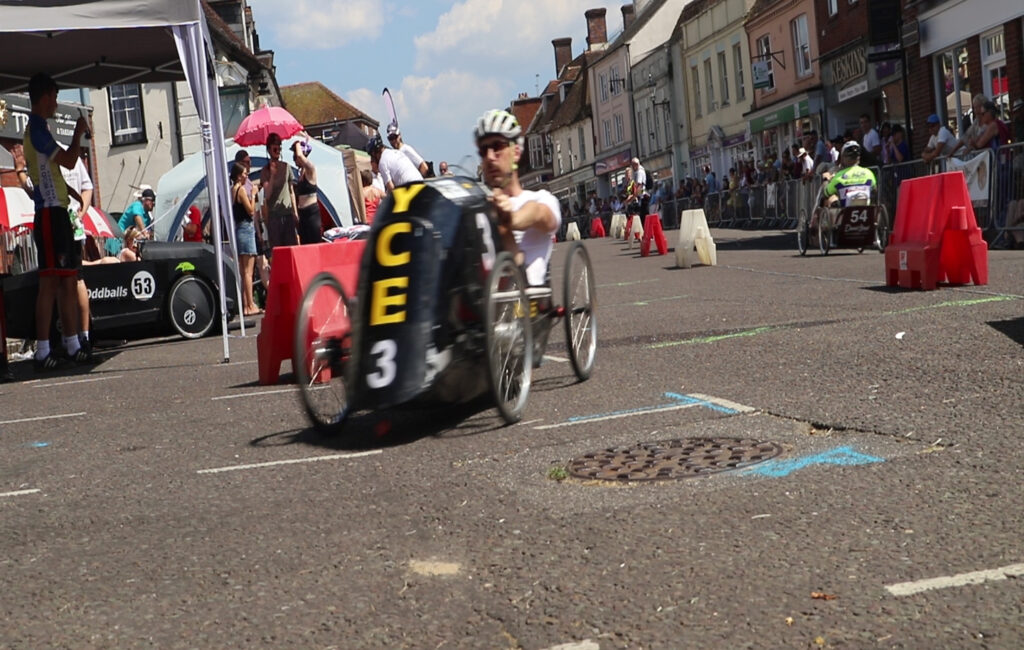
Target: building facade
x: 788, y: 98
x: 714, y: 53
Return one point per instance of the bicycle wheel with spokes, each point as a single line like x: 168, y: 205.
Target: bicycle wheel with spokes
x: 323, y: 335
x: 824, y: 231
x: 509, y: 338
x: 579, y: 293
x: 803, y: 231
x: 883, y: 228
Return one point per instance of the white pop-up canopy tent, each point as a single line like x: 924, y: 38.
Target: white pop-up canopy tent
x: 88, y: 43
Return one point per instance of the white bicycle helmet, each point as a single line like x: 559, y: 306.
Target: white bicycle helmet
x: 499, y: 122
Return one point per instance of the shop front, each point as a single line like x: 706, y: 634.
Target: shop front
x: 610, y: 173
x: 783, y: 123
x: 854, y: 86
x: 572, y: 189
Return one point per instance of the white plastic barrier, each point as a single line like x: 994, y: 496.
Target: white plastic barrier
x: 618, y: 226
x: 572, y: 232
x: 695, y: 242
x: 636, y: 231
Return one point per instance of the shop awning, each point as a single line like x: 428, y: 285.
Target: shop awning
x: 777, y: 115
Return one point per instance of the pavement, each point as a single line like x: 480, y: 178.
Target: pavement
x: 165, y: 499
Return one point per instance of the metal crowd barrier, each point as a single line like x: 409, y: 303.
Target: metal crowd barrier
x: 17, y: 251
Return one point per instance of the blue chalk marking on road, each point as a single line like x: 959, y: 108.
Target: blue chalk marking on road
x: 38, y: 444
x: 702, y: 402
x: 678, y: 402
x: 838, y: 456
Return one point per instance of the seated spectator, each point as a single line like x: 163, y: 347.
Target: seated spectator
x: 940, y: 143
x: 967, y: 143
x: 896, y: 147
x: 371, y: 195
x: 192, y: 230
x: 140, y: 213
x: 130, y: 251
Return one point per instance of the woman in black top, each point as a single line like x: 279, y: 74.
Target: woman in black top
x: 310, y: 225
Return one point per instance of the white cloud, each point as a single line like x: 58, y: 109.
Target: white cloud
x: 437, y: 126
x: 320, y: 24
x: 507, y: 30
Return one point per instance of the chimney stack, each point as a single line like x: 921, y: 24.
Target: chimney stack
x: 597, y: 31
x: 628, y: 14
x: 563, y: 53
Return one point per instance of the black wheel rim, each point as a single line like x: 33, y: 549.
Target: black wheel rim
x: 580, y: 323
x: 323, y: 333
x: 192, y: 307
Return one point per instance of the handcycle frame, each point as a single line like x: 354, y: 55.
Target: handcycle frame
x: 859, y: 226
x: 437, y: 304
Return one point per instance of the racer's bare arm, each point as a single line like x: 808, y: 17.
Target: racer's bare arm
x: 533, y: 214
x: 68, y: 158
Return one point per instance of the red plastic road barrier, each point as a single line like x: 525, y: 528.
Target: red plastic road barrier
x: 652, y: 229
x: 597, y: 227
x: 935, y: 236
x: 290, y: 274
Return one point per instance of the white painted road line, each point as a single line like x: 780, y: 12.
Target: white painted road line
x: 958, y: 580
x: 724, y: 402
x: 293, y: 461
x: 44, y: 417
x: 18, y: 493
x: 79, y: 381
x: 586, y: 644
x: 256, y: 394
x: 555, y: 359
x: 615, y: 416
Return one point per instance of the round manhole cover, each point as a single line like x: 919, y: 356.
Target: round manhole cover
x: 672, y: 459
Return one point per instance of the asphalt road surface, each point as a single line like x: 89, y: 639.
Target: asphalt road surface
x: 163, y: 499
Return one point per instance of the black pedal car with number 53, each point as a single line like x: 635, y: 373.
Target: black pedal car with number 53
x: 171, y: 289
x: 440, y: 315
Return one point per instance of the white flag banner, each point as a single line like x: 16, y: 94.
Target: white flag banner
x: 978, y: 174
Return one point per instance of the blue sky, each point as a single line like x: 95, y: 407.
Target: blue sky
x: 444, y: 62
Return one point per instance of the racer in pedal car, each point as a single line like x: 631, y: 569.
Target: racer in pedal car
x: 851, y: 184
x: 527, y: 219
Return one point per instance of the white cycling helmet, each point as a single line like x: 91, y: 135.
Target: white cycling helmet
x: 499, y: 122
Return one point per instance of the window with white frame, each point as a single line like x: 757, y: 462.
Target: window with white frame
x: 993, y: 63
x: 583, y: 144
x: 607, y: 133
x: 801, y: 46
x: 536, y: 152
x: 723, y: 78
x: 737, y: 55
x: 710, y: 83
x: 833, y: 7
x: 764, y: 51
x: 616, y: 82
x: 602, y: 84
x: 127, y: 120
x: 695, y: 84
x: 620, y: 132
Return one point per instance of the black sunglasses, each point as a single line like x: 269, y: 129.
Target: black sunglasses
x: 497, y: 146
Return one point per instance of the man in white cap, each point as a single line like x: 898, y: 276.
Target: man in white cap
x: 940, y: 143
x: 139, y: 213
x: 640, y: 178
x: 395, y: 140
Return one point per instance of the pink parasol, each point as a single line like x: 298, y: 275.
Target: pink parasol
x: 16, y: 208
x: 97, y: 223
x: 255, y: 128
